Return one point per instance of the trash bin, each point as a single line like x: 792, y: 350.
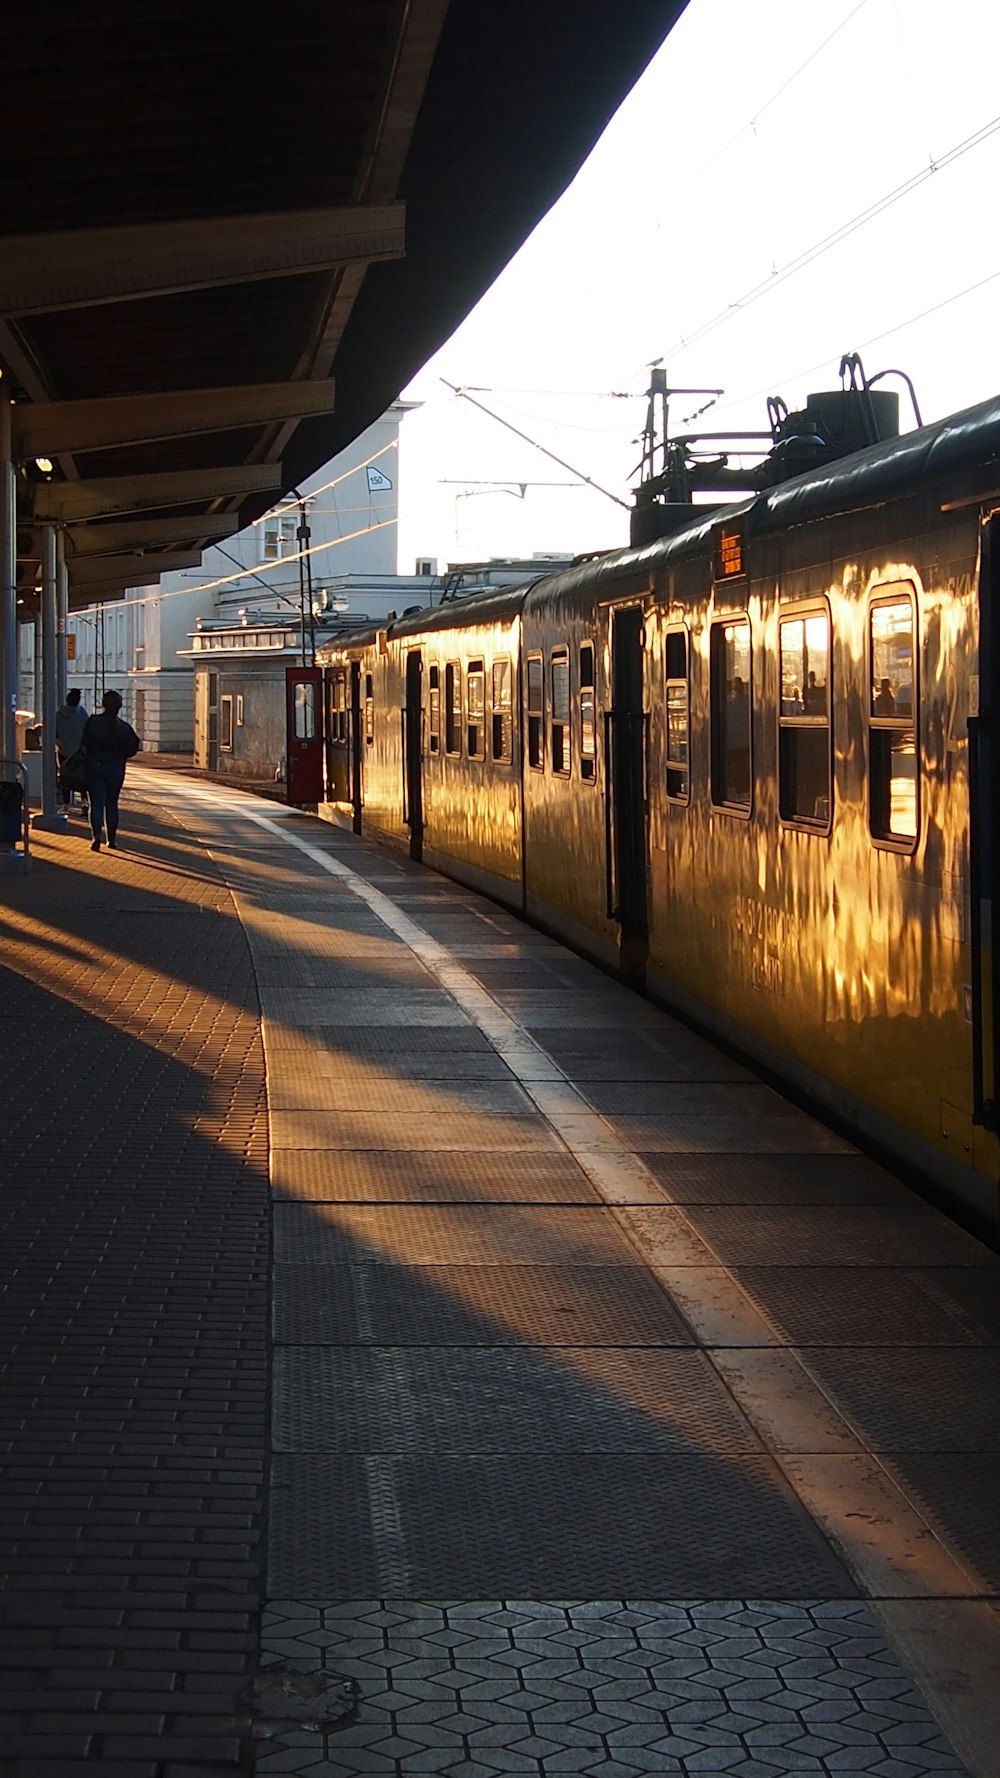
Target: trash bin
x: 11, y: 811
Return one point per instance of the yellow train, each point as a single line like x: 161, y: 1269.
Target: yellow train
x: 750, y: 767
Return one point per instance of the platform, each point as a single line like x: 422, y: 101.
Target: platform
x: 424, y: 1356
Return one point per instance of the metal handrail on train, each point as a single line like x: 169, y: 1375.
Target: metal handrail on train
x: 981, y: 841
x: 25, y: 824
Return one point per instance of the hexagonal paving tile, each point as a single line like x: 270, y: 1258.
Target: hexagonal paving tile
x: 606, y: 1689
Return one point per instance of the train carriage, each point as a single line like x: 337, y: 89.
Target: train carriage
x: 750, y: 766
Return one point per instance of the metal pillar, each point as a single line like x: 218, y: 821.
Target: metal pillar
x: 8, y: 592
x: 37, y: 694
x: 62, y: 617
x: 50, y: 817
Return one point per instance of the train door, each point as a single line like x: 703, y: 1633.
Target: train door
x: 212, y: 725
x: 338, y: 739
x: 357, y: 745
x: 304, y: 734
x: 413, y: 789
x: 984, y: 838
x: 625, y: 759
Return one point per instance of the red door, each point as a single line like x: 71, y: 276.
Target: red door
x: 304, y: 737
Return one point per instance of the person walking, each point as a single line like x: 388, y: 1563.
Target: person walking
x: 108, y: 743
x: 71, y: 719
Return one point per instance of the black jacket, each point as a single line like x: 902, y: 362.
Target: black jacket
x: 109, y: 741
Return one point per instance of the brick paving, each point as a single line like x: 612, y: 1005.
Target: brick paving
x: 133, y: 1319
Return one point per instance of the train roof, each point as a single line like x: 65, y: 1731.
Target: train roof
x: 962, y: 448
x: 959, y: 454
x: 489, y: 606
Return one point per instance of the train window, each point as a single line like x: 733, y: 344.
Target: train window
x: 588, y: 715
x: 536, y: 738
x: 475, y: 705
x: 731, y: 686
x: 804, y: 786
x: 502, y: 727
x: 453, y: 708
x: 338, y: 711
x: 678, y: 716
x: 892, y: 743
x: 369, y: 709
x: 560, y: 728
x: 434, y: 711
x: 226, y: 718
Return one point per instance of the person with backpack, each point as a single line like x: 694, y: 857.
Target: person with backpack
x: 71, y: 720
x: 108, y: 743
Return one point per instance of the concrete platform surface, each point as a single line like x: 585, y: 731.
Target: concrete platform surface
x: 420, y: 1355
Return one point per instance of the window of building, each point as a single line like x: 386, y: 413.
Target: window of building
x: 536, y: 740
x: 731, y: 692
x: 560, y: 714
x: 892, y: 745
x: 279, y: 539
x: 240, y: 708
x: 804, y: 784
x: 434, y: 710
x: 453, y: 707
x: 678, y: 696
x: 475, y: 713
x: 502, y: 738
x: 226, y: 721
x: 588, y: 714
x: 369, y: 709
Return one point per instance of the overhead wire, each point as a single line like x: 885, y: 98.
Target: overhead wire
x: 816, y: 251
x: 292, y: 505
x: 253, y: 572
x: 783, y: 88
x: 875, y: 339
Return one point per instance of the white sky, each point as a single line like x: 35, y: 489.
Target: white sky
x: 760, y: 128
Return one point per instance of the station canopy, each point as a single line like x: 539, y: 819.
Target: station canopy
x: 232, y: 235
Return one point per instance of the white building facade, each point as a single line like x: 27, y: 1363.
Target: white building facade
x: 140, y: 645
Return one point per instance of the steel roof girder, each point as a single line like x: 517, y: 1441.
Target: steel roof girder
x: 65, y: 503
x: 83, y: 268
x: 46, y: 428
x: 130, y: 569
x: 148, y: 533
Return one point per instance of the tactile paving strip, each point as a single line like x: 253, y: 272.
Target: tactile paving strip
x: 837, y: 1235
x: 365, y: 1042
x: 279, y: 975
x: 541, y: 1400
x: 391, y: 1066
x: 558, y: 970
x: 941, y: 1401
x: 776, y: 1179
x: 410, y: 1131
x: 676, y: 1099
x: 346, y: 1176
x: 491, y: 1234
x: 827, y: 1306
x: 527, y: 1527
x: 475, y: 1305
x: 402, y: 1007
x: 311, y: 1085
x: 951, y: 1492
x: 572, y: 1008
x: 791, y: 1133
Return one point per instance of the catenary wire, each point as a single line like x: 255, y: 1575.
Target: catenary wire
x: 874, y: 340
x: 811, y: 254
x: 783, y: 88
